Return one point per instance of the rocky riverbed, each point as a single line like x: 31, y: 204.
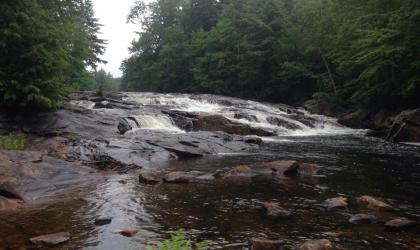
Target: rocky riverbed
x: 125, y: 170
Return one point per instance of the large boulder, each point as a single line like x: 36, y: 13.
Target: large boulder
x: 357, y: 119
x: 317, y: 106
x: 406, y: 127
x: 221, y: 123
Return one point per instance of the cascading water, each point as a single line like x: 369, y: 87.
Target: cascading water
x: 294, y: 123
x: 155, y: 122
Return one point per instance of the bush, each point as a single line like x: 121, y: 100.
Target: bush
x: 178, y: 242
x: 12, y: 142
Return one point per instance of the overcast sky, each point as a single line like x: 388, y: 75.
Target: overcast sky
x: 113, y: 15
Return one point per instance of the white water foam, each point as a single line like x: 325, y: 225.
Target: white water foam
x: 260, y: 112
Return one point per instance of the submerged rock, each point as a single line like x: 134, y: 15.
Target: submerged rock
x: 128, y: 232
x: 400, y: 224
x: 322, y: 244
x: 239, y: 171
x: 103, y: 221
x: 336, y: 203
x: 264, y: 244
x: 178, y: 177
x: 362, y: 219
x: 373, y: 203
x: 273, y: 209
x: 51, y: 239
x: 277, y: 121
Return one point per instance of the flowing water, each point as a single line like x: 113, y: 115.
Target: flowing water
x: 228, y: 212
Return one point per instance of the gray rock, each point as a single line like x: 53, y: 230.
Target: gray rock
x: 51, y: 239
x: 322, y: 244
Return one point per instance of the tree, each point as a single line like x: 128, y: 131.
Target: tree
x: 45, y: 48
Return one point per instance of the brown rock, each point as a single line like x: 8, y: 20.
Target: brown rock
x: 128, y: 232
x: 273, y: 209
x: 406, y: 127
x: 322, y: 244
x: 177, y: 177
x: 287, y: 168
x: 336, y: 203
x: 308, y: 169
x: 400, y: 224
x: 373, y: 203
x: 51, y: 239
x: 264, y: 244
x: 362, y: 219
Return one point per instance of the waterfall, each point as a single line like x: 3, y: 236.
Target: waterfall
x: 155, y: 122
x: 254, y: 114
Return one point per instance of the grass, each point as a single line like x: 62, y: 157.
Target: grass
x: 12, y: 142
x: 178, y: 242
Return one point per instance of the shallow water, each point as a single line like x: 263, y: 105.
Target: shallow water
x: 228, y: 212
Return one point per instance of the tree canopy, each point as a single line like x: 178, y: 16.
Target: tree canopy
x: 351, y: 52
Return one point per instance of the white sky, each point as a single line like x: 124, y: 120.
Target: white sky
x: 113, y: 15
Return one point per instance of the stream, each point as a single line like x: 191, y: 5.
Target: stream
x: 227, y: 212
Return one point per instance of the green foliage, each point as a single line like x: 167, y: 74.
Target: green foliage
x: 45, y: 48
x: 178, y: 242
x: 13, y: 142
x: 279, y: 50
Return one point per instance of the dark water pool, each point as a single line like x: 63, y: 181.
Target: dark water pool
x: 228, y: 212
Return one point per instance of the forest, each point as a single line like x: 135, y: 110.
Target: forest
x: 47, y: 49
x: 356, y: 53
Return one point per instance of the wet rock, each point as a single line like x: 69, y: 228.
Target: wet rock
x: 221, y: 123
x: 308, y: 169
x: 245, y: 116
x: 51, y: 239
x: 400, y: 224
x: 322, y: 244
x: 273, y: 209
x: 149, y: 178
x: 253, y: 140
x: 277, y: 121
x: 286, y: 168
x: 128, y: 232
x: 181, y: 119
x: 362, y: 219
x: 178, y: 177
x: 336, y: 203
x: 103, y: 221
x: 373, y: 203
x: 264, y: 244
x: 123, y: 126
x: 406, y: 127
